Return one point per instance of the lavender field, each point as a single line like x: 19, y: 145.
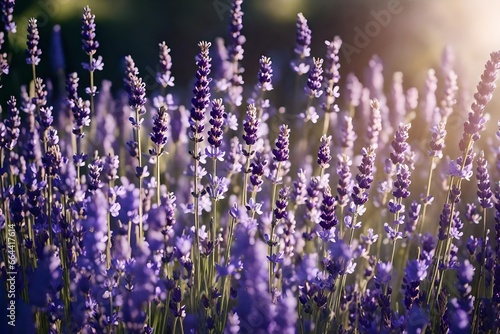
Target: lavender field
x: 360, y: 206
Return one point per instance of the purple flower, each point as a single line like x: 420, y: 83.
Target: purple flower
x: 328, y: 218
x: 137, y: 93
x: 250, y: 126
x: 4, y: 63
x: 402, y: 182
x: 399, y: 144
x: 33, y: 52
x: 236, y: 39
x: 396, y: 100
x: 218, y: 186
x: 158, y: 134
x: 164, y: 76
x: 354, y: 89
x: 201, y: 98
x: 81, y: 116
x: 303, y: 37
x: 331, y: 75
x: 315, y: 79
x: 383, y: 275
x: 476, y: 121
x: 72, y: 86
x: 265, y: 75
x: 257, y: 167
x: 324, y: 155
x: 450, y: 92
x: 7, y: 7
x: 364, y: 178
x: 12, y: 123
x: 281, y: 205
x: 437, y: 142
x: 483, y: 182
x: 299, y: 191
x: 347, y: 135
x: 53, y: 159
x: 344, y: 187
x: 428, y: 103
x: 95, y: 169
x: 281, y: 151
x: 90, y: 45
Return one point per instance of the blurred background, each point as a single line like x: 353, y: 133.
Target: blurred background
x: 411, y: 40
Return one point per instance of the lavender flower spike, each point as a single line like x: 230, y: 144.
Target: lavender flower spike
x: 158, y: 134
x: 33, y: 52
x: 303, y: 40
x: 265, y: 74
x: 483, y: 182
x: 282, y: 150
x: 328, y: 218
x: 250, y: 126
x: 314, y: 82
x: 7, y: 7
x: 302, y: 45
x: 365, y: 177
x: 201, y: 98
x: 475, y: 123
x: 215, y: 134
x: 164, y: 76
x: 90, y: 44
x: 324, y: 155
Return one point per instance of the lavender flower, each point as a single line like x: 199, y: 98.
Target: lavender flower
x: 450, y: 92
x: 90, y: 44
x: 236, y: 39
x: 303, y: 39
x: 328, y: 218
x: 302, y: 45
x: 201, y: 98
x: 250, y: 126
x: 428, y: 103
x: 375, y: 124
x: 81, y: 116
x: 164, y: 76
x: 332, y: 75
x: 437, y: 142
x: 475, y: 123
x: 4, y: 64
x: 402, y: 182
x: 483, y: 182
x: 137, y: 95
x: 344, y: 187
x: 324, y: 155
x: 257, y: 168
x: 12, y: 123
x: 72, y: 87
x: 315, y: 79
x: 354, y: 89
x: 7, y: 7
x: 400, y: 145
x: 364, y: 178
x: 281, y: 151
x: 347, y: 135
x: 158, y: 134
x: 33, y: 52
x: 265, y: 74
x: 280, y: 212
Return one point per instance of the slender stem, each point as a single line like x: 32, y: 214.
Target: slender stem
x: 426, y: 203
x: 158, y: 198
x: 273, y: 225
x: 139, y: 156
